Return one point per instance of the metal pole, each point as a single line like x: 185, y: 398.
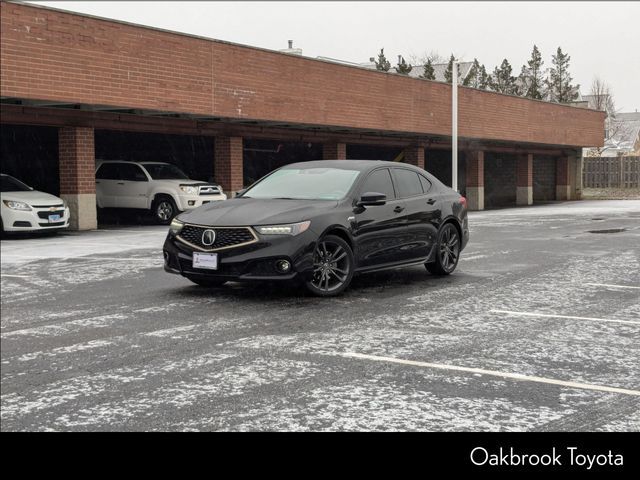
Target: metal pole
x: 454, y: 127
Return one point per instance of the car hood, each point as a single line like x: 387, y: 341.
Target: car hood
x: 33, y: 197
x: 253, y: 211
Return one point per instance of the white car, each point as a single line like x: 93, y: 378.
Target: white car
x: 23, y: 209
x: 160, y: 187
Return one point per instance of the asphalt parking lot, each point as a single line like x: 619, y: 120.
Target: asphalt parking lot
x: 537, y: 330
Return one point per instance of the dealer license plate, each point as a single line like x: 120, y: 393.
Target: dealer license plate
x: 54, y: 218
x: 205, y: 260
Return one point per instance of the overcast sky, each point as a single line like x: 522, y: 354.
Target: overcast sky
x: 603, y: 38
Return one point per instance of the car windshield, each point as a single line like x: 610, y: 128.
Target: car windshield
x: 10, y: 184
x: 305, y: 184
x: 164, y: 171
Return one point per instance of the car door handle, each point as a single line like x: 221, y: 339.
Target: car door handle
x: 120, y: 183
x: 431, y: 201
x: 398, y: 209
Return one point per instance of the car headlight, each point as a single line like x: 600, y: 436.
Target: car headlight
x: 176, y: 226
x: 189, y: 190
x: 17, y: 205
x: 290, y: 229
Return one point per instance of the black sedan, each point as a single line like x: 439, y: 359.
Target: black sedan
x: 322, y: 222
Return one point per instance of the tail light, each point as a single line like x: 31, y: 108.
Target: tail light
x: 463, y: 201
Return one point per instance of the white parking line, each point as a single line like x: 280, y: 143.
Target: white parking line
x: 3, y: 275
x: 493, y: 373
x: 545, y: 315
x: 613, y: 286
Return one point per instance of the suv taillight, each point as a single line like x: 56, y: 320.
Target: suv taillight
x: 463, y: 202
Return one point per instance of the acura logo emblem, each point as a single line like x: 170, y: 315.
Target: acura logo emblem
x: 208, y: 237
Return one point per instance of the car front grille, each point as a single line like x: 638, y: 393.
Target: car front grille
x: 226, y: 237
x: 210, y: 191
x: 46, y: 213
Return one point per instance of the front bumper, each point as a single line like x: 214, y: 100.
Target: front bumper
x: 189, y: 202
x: 255, y: 261
x: 36, y: 219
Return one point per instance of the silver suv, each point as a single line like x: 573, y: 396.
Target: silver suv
x: 160, y: 187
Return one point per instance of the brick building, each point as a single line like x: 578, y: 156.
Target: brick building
x: 84, y: 77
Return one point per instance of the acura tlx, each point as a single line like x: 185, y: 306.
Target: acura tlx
x: 322, y: 222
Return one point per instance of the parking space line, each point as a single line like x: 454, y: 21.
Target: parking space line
x: 3, y: 275
x: 493, y: 373
x: 610, y: 285
x: 568, y: 317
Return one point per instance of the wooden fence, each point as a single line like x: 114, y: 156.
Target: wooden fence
x: 606, y: 172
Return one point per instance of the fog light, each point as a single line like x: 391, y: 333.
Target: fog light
x: 192, y: 203
x: 283, y: 266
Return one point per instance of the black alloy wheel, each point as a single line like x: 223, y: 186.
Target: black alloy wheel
x: 164, y: 210
x: 447, y: 251
x: 333, y: 267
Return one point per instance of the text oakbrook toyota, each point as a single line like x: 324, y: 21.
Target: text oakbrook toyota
x: 322, y: 222
x: 572, y: 457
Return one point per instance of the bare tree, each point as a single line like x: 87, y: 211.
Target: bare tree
x: 601, y: 98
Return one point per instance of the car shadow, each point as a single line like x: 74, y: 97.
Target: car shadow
x: 389, y: 283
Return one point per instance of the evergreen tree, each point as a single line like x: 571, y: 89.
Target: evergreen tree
x: 428, y: 72
x: 531, y: 76
x: 484, y: 79
x: 503, y: 81
x: 473, y: 77
x: 559, y: 86
x: 448, y: 73
x: 403, y: 67
x: 382, y: 64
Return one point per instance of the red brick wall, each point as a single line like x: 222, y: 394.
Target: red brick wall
x: 228, y: 168
x: 334, y: 151
x: 475, y: 169
x: 77, y: 160
x: 562, y: 171
x: 524, y: 170
x: 57, y: 56
x: 414, y: 156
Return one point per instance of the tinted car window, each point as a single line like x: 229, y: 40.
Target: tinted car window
x: 108, y: 171
x: 426, y: 184
x: 407, y: 182
x: 379, y: 181
x: 130, y: 172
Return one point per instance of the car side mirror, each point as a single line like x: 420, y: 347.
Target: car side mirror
x: 370, y: 199
x: 240, y: 192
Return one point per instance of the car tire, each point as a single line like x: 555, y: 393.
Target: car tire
x: 207, y: 282
x: 447, y: 251
x: 333, y: 267
x: 164, y: 209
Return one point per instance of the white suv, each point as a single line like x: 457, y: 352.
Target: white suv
x: 160, y: 187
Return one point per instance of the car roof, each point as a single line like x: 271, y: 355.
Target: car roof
x: 131, y: 161
x: 360, y: 165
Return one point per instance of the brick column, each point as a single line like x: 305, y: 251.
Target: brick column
x: 414, y: 155
x: 77, y: 165
x: 334, y: 151
x: 475, y: 180
x: 524, y: 179
x: 563, y: 186
x: 228, y: 164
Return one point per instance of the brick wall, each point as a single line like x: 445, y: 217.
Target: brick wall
x: 228, y: 163
x: 77, y: 160
x: 52, y: 55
